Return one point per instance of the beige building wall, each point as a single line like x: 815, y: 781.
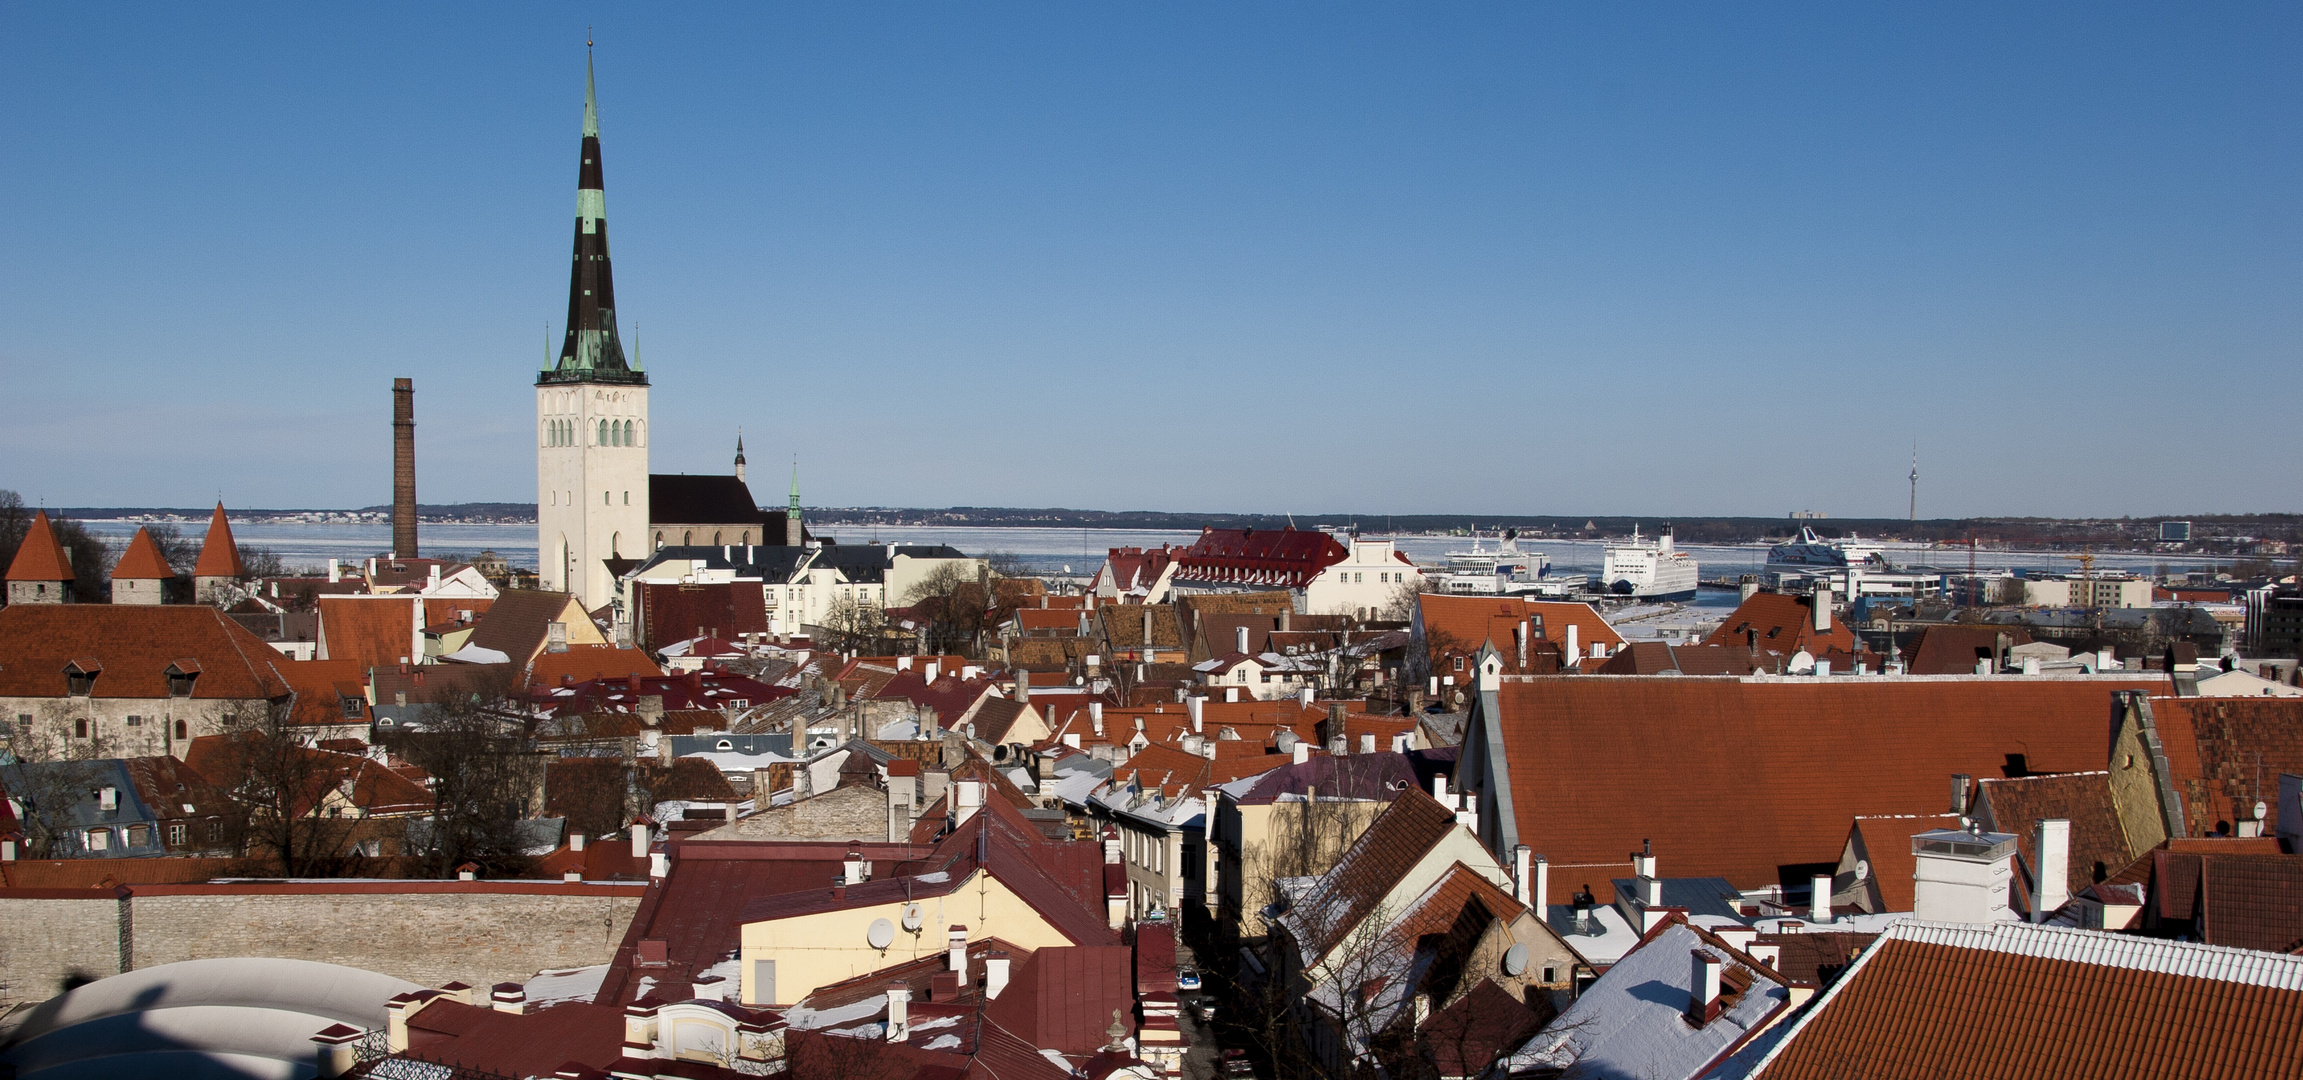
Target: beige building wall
x: 49, y: 729
x: 591, y: 497
x: 1259, y: 843
x: 812, y: 951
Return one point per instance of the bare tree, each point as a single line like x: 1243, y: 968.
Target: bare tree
x: 950, y: 606
x: 298, y: 804
x: 484, y: 775
x: 851, y: 625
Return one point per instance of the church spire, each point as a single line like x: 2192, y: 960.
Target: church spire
x: 739, y: 454
x: 592, y: 351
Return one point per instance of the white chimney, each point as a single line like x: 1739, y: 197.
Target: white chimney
x: 1651, y: 892
x: 2052, y: 846
x: 1196, y: 706
x: 1305, y: 696
x: 1096, y: 715
x: 1519, y: 642
x: 1703, y: 1004
x: 1643, y: 864
x: 1302, y: 752
x: 969, y: 672
x: 1572, y: 639
x: 1823, y: 609
x: 1439, y: 790
x: 1367, y: 742
x: 899, y: 1012
x: 1519, y: 870
x: 934, y: 668
x: 1231, y: 695
x: 1240, y: 636
x: 509, y: 998
x: 575, y: 841
x: 640, y: 838
x: 970, y: 799
x: 1823, y: 669
x: 1540, y: 891
x: 995, y: 975
x: 2031, y: 665
x: 1819, y: 904
x: 956, y: 943
x: 335, y: 571
x: 903, y: 663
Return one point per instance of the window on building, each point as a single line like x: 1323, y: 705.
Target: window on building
x: 605, y: 500
x: 23, y: 721
x: 99, y: 839
x: 180, y: 732
x: 627, y: 498
x: 135, y: 721
x: 1459, y: 663
x: 80, y: 728
x: 355, y: 707
x: 176, y: 835
x: 139, y: 835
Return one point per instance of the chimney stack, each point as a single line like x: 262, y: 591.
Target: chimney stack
x: 2052, y: 847
x: 1819, y: 904
x: 899, y: 1012
x: 1239, y: 635
x: 1959, y: 782
x: 995, y: 974
x: 404, y: 468
x: 1520, y: 868
x: 1703, y: 1003
x: 1823, y: 609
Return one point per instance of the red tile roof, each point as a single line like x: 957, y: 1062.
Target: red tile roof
x: 1886, y: 842
x: 376, y: 631
x: 1738, y: 778
x: 2226, y: 753
x: 695, y: 910
x: 1393, y: 845
x: 1282, y: 558
x: 2043, y: 1003
x: 39, y: 557
x: 2245, y: 901
x: 1952, y: 649
x: 142, y: 561
x: 1655, y: 657
x: 484, y: 1041
x: 134, y: 645
x: 1464, y: 623
x: 587, y: 662
x: 2098, y: 846
x: 321, y: 687
x: 219, y: 555
x: 676, y: 612
x: 1782, y: 623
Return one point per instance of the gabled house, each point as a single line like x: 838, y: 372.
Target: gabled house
x: 1531, y: 636
x: 1765, y: 773
x: 1671, y: 1009
x: 98, y: 680
x: 116, y: 808
x: 1136, y: 575
x: 372, y: 630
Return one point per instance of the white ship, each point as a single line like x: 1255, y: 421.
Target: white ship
x: 1648, y: 569
x: 1808, y: 553
x: 1481, y: 572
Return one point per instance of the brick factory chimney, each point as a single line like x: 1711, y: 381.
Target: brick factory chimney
x: 404, y: 468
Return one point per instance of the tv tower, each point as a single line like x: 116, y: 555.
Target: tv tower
x: 1915, y: 481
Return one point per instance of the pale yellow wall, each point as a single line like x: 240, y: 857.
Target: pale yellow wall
x: 1458, y: 846
x: 817, y: 950
x: 1257, y: 863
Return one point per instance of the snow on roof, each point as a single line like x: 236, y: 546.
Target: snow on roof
x: 1632, y: 1021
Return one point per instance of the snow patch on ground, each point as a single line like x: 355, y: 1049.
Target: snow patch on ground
x: 554, y: 986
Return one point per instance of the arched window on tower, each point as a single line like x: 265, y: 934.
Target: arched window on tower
x: 628, y: 434
x: 603, y: 433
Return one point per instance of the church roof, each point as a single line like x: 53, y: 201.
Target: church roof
x: 143, y: 561
x: 40, y: 557
x: 680, y: 499
x: 219, y: 555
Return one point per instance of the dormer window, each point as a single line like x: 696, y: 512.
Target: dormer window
x: 354, y: 707
x: 181, y: 675
x: 80, y: 676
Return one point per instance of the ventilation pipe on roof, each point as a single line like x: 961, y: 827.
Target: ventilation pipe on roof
x: 2052, y: 887
x: 1367, y: 742
x: 1822, y: 607
x: 640, y: 838
x: 995, y: 974
x: 576, y: 841
x: 1519, y: 643
x: 1519, y: 871
x: 1239, y: 638
x: 1572, y: 644
x: 899, y: 1012
x: 1306, y: 696
x: 1819, y: 902
x: 1197, y: 707
x: 1096, y: 717
x: 934, y: 668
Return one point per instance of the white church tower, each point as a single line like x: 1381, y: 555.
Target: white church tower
x: 591, y: 415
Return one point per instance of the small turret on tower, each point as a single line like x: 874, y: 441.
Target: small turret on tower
x: 42, y: 570
x: 219, y: 571
x: 739, y: 455
x: 142, y: 573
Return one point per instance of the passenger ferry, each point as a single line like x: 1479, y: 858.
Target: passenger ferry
x: 1647, y: 569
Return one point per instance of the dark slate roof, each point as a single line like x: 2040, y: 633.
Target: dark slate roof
x: 679, y: 499
x: 1698, y: 895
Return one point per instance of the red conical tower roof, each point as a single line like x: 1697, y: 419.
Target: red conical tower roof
x: 40, y: 558
x: 219, y: 556
x: 143, y: 561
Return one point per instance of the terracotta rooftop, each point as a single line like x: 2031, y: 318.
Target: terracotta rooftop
x: 1393, y: 844
x: 2016, y: 1000
x: 2243, y: 901
x: 219, y: 554
x: 1782, y: 623
x: 483, y: 1041
x: 143, y: 561
x: 376, y: 631
x: 1283, y: 558
x: 39, y: 557
x: 2227, y: 753
x: 1464, y: 623
x: 133, y: 646
x: 2098, y: 846
x: 1739, y: 778
x: 587, y: 662
x: 1953, y: 649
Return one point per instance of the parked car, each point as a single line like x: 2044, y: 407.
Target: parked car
x: 1236, y: 1064
x: 1186, y: 979
x: 1204, y: 1008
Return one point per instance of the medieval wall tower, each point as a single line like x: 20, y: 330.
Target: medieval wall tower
x: 591, y: 414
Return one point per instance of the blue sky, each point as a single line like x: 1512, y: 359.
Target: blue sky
x: 1521, y: 258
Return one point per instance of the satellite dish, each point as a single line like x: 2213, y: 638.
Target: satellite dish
x: 1515, y: 960
x: 881, y: 934
x: 2261, y: 811
x: 912, y: 917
